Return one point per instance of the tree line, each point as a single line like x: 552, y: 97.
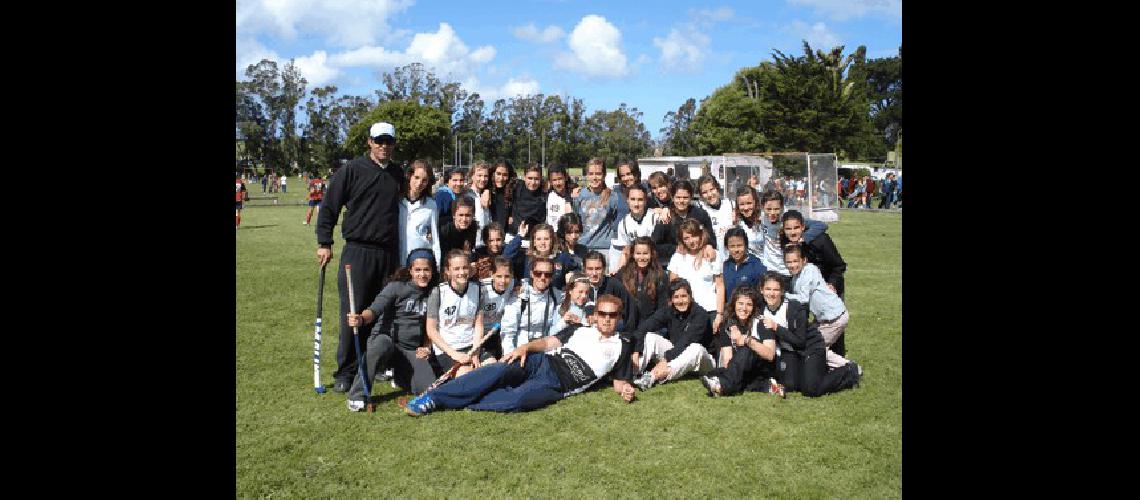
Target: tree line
x: 818, y: 102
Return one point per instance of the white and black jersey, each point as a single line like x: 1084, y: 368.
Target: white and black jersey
x: 629, y: 228
x: 586, y: 356
x: 555, y: 207
x: 494, y: 302
x: 756, y: 237
x: 455, y: 313
x: 721, y: 218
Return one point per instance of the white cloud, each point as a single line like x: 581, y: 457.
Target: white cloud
x: 483, y: 54
x: 595, y: 49
x: 718, y: 15
x: 316, y: 70
x: 818, y: 35
x: 682, y: 52
x: 530, y: 33
x: 444, y: 51
x: 368, y: 56
x: 343, y: 23
x: 250, y: 51
x: 524, y: 86
x: 842, y: 10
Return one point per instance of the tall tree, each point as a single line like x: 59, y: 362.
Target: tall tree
x: 884, y: 79
x: 676, y: 135
x: 292, y: 91
x: 420, y: 130
x: 321, y: 137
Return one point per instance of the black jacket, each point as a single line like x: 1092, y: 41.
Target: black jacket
x: 372, y: 195
x: 500, y: 207
x: 799, y: 335
x: 690, y: 327
x: 450, y: 237
x: 528, y: 206
x: 641, y: 306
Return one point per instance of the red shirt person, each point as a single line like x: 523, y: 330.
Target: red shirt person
x: 316, y: 194
x: 240, y: 195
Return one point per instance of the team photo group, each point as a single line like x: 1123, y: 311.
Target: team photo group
x: 490, y: 292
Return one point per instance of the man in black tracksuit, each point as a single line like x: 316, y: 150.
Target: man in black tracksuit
x: 369, y: 186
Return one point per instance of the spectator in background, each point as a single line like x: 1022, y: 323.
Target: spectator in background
x: 265, y: 183
x: 889, y: 188
x: 869, y: 192
x: 284, y: 186
x: 316, y: 194
x: 241, y: 195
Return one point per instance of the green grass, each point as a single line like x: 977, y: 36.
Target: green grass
x: 673, y: 441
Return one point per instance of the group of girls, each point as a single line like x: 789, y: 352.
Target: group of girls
x: 523, y: 259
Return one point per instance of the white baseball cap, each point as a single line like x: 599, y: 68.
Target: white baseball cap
x: 382, y: 128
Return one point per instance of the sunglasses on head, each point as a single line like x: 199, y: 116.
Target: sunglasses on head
x: 384, y: 139
x: 607, y: 314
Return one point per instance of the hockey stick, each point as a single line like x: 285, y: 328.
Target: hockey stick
x: 317, y: 335
x: 356, y: 338
x: 450, y: 373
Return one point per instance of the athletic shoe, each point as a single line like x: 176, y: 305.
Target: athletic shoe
x: 354, y: 405
x: 776, y: 388
x: 645, y: 381
x: 858, y: 374
x: 341, y: 386
x: 387, y: 375
x: 420, y: 406
x: 712, y: 384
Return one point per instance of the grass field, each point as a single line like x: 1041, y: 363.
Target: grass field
x: 672, y: 441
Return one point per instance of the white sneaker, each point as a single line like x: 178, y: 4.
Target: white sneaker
x: 354, y: 405
x: 712, y: 384
x: 645, y: 381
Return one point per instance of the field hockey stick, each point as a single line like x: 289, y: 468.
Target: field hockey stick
x: 317, y: 334
x: 454, y: 367
x: 356, y: 338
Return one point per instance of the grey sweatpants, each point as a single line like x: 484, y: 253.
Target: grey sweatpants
x: 411, y: 373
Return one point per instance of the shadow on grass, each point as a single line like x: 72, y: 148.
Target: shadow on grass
x: 256, y: 227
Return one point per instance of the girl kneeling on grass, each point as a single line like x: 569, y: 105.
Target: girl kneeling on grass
x: 808, y: 287
x: 455, y: 315
x: 397, y: 339
x: 747, y: 350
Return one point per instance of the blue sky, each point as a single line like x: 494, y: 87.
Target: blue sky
x: 649, y: 55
